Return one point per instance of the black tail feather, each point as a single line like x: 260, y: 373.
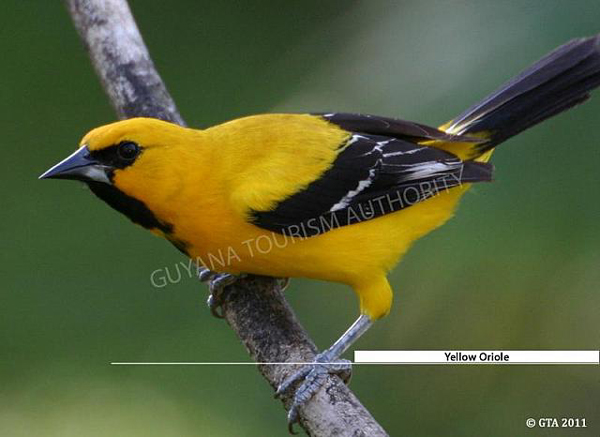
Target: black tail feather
x: 554, y: 84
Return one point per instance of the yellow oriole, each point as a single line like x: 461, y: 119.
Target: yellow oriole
x: 337, y: 197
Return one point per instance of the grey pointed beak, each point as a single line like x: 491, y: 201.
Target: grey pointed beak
x: 79, y: 166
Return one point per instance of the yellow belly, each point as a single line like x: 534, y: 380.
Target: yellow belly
x: 347, y: 254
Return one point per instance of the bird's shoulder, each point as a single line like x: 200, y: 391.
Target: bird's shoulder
x: 266, y: 158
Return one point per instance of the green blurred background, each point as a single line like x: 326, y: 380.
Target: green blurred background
x: 518, y: 268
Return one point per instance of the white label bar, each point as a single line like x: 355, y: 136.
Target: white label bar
x: 477, y: 357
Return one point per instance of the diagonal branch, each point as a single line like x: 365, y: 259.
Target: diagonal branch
x: 121, y: 60
x: 255, y: 307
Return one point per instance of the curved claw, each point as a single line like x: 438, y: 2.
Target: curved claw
x: 205, y: 274
x: 216, y: 285
x: 215, y: 306
x: 283, y: 283
x: 217, y: 282
x: 292, y: 418
x: 313, y: 377
x: 290, y: 380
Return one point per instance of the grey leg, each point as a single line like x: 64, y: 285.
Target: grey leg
x: 314, y: 375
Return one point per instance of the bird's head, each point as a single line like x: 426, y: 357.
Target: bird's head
x: 123, y: 163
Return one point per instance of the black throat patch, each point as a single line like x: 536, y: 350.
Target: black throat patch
x: 134, y: 209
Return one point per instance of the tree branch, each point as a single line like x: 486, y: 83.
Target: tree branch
x: 255, y: 307
x: 121, y: 60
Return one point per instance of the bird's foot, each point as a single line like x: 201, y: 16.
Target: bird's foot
x: 217, y: 283
x: 313, y: 377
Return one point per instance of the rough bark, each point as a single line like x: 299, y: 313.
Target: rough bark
x: 254, y: 307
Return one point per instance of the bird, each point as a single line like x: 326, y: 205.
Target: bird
x: 332, y: 196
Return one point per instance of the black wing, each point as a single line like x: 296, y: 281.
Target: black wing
x: 372, y: 175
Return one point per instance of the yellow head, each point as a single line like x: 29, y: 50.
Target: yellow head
x: 126, y: 164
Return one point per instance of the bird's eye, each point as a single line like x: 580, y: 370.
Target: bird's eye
x: 128, y: 150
